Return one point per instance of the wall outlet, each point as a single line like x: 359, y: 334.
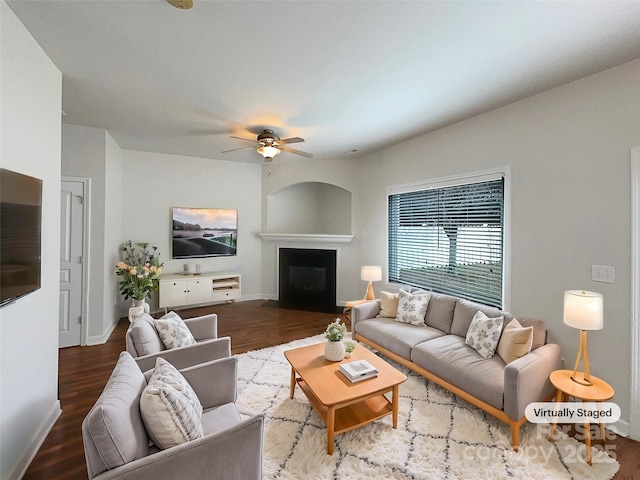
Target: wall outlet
x: 602, y: 273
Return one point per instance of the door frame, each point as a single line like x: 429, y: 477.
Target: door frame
x: 634, y: 414
x: 86, y: 224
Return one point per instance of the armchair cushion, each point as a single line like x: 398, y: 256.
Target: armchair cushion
x: 113, y: 431
x: 173, y: 331
x: 144, y: 337
x: 170, y: 408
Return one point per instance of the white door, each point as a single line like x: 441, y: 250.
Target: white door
x: 71, y: 263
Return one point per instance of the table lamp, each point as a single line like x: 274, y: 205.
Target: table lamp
x: 583, y: 310
x: 370, y: 273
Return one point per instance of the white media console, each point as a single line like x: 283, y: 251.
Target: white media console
x: 180, y: 290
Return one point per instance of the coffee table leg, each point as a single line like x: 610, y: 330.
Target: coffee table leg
x: 394, y: 406
x: 331, y: 422
x: 293, y: 382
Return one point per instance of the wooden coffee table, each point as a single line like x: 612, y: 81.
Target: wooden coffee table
x: 344, y: 405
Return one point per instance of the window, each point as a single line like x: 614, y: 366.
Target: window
x: 448, y: 237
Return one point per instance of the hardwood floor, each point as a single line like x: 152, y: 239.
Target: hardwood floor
x: 83, y: 372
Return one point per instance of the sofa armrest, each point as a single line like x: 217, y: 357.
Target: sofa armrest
x: 183, y: 357
x: 526, y: 379
x: 364, y: 311
x: 214, y: 382
x: 232, y: 453
x: 204, y: 327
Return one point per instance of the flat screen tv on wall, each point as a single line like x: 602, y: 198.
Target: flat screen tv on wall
x: 20, y: 235
x: 203, y: 232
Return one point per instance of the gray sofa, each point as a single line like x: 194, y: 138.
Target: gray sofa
x: 117, y: 445
x: 438, y: 352
x: 144, y: 344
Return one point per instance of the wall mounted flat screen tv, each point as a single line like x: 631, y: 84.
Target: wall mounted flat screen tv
x: 203, y: 232
x: 20, y: 235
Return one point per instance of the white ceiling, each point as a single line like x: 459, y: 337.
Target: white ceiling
x: 344, y: 75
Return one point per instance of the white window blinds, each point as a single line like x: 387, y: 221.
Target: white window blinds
x: 449, y: 240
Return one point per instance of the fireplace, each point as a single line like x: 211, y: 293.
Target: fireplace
x: 307, y: 279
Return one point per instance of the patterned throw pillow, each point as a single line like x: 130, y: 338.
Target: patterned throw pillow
x: 171, y: 410
x: 412, y: 307
x: 484, y: 333
x: 173, y: 331
x: 515, y: 341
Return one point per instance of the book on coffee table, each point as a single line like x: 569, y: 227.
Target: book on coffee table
x: 358, y: 370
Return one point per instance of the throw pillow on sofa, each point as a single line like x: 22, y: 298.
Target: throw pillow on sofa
x: 173, y: 331
x: 516, y: 341
x: 388, y: 304
x: 484, y: 333
x: 412, y: 307
x: 170, y: 409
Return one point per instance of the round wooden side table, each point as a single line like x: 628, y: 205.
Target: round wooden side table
x: 600, y: 391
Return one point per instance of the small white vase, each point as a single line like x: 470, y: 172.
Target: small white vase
x: 141, y: 303
x: 334, y: 351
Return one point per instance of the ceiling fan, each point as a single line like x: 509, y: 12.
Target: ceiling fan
x: 182, y: 4
x: 268, y: 144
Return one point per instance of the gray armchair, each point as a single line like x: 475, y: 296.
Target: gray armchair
x: 116, y: 442
x: 144, y: 344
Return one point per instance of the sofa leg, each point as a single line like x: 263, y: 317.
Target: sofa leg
x: 515, y: 434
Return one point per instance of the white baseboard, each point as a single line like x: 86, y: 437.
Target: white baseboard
x: 21, y: 466
x: 100, y: 339
x: 621, y: 427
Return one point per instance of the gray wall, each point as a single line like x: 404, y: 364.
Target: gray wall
x: 569, y: 153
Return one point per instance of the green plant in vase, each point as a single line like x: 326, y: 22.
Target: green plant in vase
x: 334, y: 348
x: 349, y: 347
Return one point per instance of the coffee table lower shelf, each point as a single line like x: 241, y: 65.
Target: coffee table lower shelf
x: 343, y: 417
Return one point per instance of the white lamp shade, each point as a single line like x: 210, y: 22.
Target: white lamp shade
x: 583, y: 310
x: 371, y: 273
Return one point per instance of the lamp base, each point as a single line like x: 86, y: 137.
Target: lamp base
x: 369, y: 295
x: 582, y: 381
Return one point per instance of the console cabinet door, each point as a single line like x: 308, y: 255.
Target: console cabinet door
x: 199, y: 291
x: 173, y: 293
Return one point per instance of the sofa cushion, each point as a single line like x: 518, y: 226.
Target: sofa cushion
x: 440, y: 311
x: 412, y: 308
x: 396, y: 337
x: 451, y: 359
x: 113, y: 432
x: 170, y: 408
x: 464, y: 312
x: 173, y: 331
x: 484, y: 333
x: 388, y: 304
x: 144, y: 336
x: 539, y: 331
x: 515, y: 341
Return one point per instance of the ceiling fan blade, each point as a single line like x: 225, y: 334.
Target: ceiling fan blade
x: 297, y: 152
x: 245, y: 139
x: 291, y: 140
x: 234, y: 149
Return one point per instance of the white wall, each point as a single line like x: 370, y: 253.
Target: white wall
x: 568, y: 150
x: 31, y: 96
x: 92, y: 153
x: 343, y: 174
x: 153, y: 183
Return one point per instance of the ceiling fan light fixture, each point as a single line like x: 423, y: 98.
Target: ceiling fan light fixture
x: 268, y: 152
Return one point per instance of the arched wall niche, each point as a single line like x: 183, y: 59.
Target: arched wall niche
x: 309, y: 208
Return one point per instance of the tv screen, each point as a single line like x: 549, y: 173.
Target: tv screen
x: 203, y: 232
x: 20, y: 235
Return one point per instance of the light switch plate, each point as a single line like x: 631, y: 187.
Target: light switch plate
x: 602, y: 273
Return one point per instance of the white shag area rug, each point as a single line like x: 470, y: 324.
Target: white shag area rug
x: 439, y: 435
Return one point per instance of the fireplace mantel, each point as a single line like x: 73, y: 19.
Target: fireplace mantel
x: 306, y: 237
